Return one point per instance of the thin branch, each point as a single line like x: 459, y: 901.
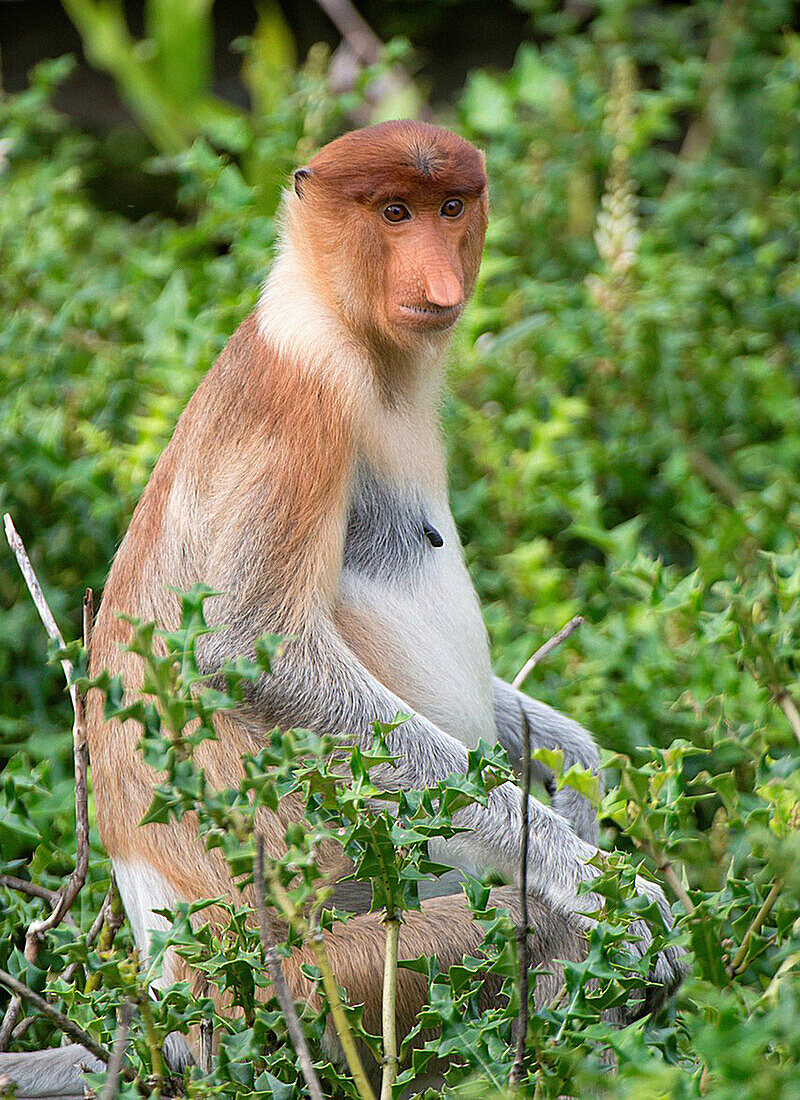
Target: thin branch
x: 354, y: 29
x: 697, y: 141
x: 34, y: 890
x: 713, y: 474
x: 63, y: 1023
x: 518, y: 1067
x: 273, y: 961
x: 789, y: 708
x: 118, y: 1052
x: 340, y: 1021
x: 35, y: 589
x: 110, y: 919
x: 69, y: 892
x: 545, y: 650
x: 740, y: 959
x: 391, y: 1061
x: 206, y: 1046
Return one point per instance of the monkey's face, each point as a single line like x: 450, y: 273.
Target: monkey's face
x: 431, y: 243
x: 395, y: 218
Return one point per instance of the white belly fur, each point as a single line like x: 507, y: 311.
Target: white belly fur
x: 433, y: 646
x: 143, y: 889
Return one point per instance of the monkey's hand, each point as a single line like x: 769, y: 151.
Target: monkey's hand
x: 549, y: 729
x: 559, y: 861
x: 669, y: 968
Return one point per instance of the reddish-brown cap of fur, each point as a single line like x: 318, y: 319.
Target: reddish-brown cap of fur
x: 397, y: 159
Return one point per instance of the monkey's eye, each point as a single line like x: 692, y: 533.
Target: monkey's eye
x: 451, y: 208
x: 396, y: 212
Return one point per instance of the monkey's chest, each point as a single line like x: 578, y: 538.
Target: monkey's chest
x: 408, y: 610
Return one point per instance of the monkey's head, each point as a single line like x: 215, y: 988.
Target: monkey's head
x: 392, y: 220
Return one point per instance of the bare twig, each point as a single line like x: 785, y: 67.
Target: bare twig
x: 63, y: 1023
x: 391, y: 1061
x: 517, y: 1069
x: 740, y: 959
x: 23, y: 1026
x: 789, y: 708
x: 273, y: 961
x: 698, y: 137
x: 34, y: 890
x: 206, y: 1046
x: 69, y: 892
x: 109, y: 920
x: 714, y: 475
x: 35, y: 589
x: 545, y: 650
x: 118, y: 1052
x: 354, y: 29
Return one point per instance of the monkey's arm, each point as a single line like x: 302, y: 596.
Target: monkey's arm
x: 319, y: 682
x: 549, y: 729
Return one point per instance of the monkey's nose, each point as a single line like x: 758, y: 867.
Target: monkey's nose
x: 443, y: 288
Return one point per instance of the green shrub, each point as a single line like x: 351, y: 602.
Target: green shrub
x: 623, y: 444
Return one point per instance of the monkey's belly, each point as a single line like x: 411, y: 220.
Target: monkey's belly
x: 427, y: 643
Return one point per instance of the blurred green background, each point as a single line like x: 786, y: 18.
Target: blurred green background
x: 624, y: 414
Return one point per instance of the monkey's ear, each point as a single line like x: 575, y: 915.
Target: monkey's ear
x: 300, y: 175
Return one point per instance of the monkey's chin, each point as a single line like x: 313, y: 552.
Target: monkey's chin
x: 427, y: 318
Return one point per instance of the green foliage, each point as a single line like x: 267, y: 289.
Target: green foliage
x: 623, y: 445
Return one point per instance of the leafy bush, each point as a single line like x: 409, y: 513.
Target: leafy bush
x: 623, y: 443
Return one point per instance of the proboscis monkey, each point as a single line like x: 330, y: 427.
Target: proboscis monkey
x: 306, y: 482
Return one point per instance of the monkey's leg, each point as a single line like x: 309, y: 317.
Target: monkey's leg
x: 549, y: 729
x: 443, y: 927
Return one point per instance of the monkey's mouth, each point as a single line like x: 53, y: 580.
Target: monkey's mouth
x: 430, y: 316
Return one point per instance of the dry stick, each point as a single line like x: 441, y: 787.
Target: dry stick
x: 522, y: 932
x: 518, y: 1066
x: 697, y: 141
x: 739, y: 962
x: 273, y: 961
x: 63, y: 1023
x: 545, y: 650
x: 70, y: 891
x: 789, y: 708
x: 340, y: 1021
x: 354, y: 29
x: 391, y: 1060
x: 33, y: 890
x: 35, y: 589
x: 112, y: 922
x: 206, y: 1046
x: 108, y: 922
x: 118, y: 1052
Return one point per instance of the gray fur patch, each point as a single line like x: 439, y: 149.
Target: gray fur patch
x: 387, y: 535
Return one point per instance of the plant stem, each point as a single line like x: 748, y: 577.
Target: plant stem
x: 545, y: 650
x: 740, y: 959
x: 518, y: 1066
x: 653, y: 848
x: 789, y: 708
x: 391, y: 1062
x: 153, y: 1045
x: 273, y: 961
